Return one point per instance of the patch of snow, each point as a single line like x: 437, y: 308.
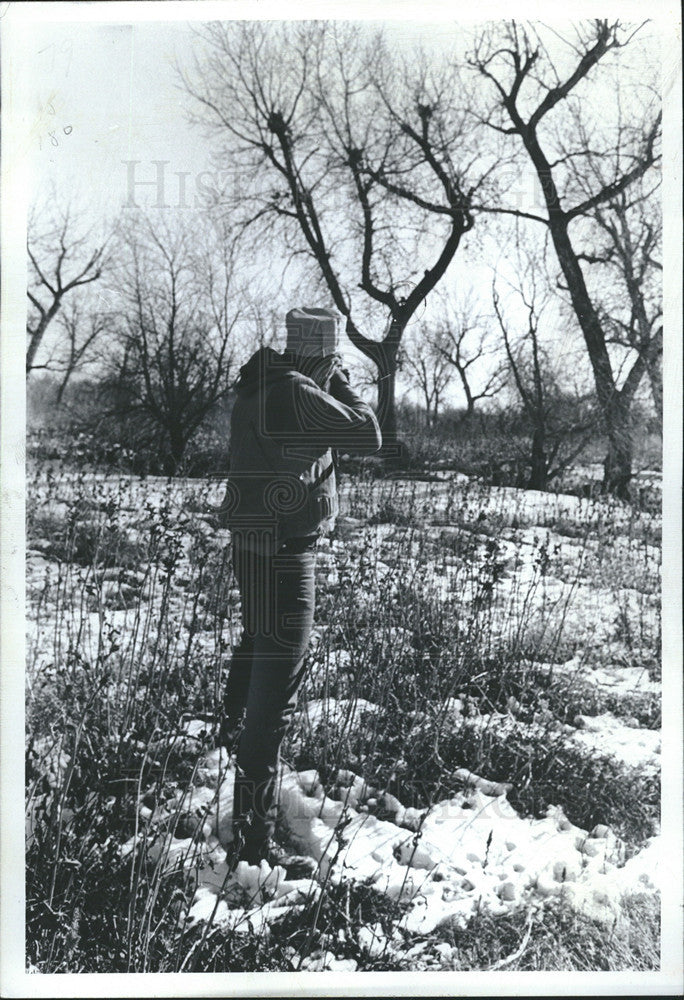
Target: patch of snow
x: 333, y: 711
x: 604, y: 734
x: 325, y: 961
x: 466, y: 853
x: 373, y: 939
x: 614, y: 676
x: 608, y: 735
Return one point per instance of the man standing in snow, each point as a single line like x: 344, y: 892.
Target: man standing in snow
x: 292, y: 411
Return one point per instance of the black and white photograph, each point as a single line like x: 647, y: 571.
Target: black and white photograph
x: 341, y: 499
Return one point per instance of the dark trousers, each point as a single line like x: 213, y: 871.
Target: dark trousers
x: 266, y: 671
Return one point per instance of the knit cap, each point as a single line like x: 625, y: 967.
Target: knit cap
x: 312, y: 332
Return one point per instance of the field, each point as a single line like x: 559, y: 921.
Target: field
x: 474, y: 765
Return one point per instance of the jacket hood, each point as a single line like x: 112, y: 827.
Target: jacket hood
x: 264, y: 366
x: 267, y: 366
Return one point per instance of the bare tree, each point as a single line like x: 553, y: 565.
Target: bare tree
x: 628, y: 279
x: 462, y: 337
x: 561, y: 424
x: 535, y: 91
x: 365, y: 184
x: 263, y: 321
x: 176, y: 349
x: 62, y: 256
x: 83, y: 331
x: 426, y: 368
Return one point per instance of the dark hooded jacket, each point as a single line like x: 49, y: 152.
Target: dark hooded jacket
x: 284, y: 426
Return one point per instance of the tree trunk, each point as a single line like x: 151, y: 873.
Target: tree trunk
x: 470, y: 402
x: 655, y: 377
x: 36, y: 336
x: 617, y: 470
x: 538, y: 471
x: 617, y: 467
x: 62, y: 386
x: 177, y: 443
x: 428, y: 411
x: 618, y: 463
x: 615, y: 412
x: 383, y: 354
x: 393, y: 452
x: 387, y: 417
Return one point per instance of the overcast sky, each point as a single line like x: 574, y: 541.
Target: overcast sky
x: 107, y: 93
x: 99, y: 95
x: 114, y: 89
x: 107, y: 116
x: 103, y: 107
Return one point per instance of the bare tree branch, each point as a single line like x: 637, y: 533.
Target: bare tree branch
x: 50, y: 252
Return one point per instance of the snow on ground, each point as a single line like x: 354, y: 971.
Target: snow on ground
x: 632, y: 745
x: 614, y: 677
x: 465, y: 853
x: 622, y: 739
x: 343, y: 711
x: 547, y: 569
x: 471, y: 499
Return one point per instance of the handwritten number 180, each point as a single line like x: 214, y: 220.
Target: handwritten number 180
x: 67, y: 130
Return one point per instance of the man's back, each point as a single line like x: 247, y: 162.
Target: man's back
x: 283, y: 428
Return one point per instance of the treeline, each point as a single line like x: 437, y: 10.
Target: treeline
x: 495, y: 443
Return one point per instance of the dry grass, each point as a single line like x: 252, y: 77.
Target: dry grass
x: 435, y: 591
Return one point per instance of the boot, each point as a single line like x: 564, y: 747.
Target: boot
x: 296, y: 865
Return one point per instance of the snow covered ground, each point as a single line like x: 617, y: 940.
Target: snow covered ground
x: 467, y: 853
x: 573, y: 582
